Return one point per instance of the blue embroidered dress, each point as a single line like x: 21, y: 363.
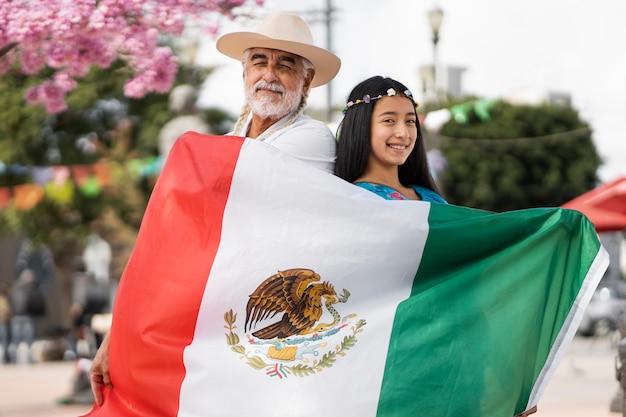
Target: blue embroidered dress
x: 388, y: 193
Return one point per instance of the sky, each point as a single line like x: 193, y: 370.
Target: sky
x: 508, y: 48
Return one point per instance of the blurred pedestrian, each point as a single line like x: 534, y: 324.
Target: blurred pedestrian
x: 5, y: 317
x: 97, y: 258
x: 37, y: 258
x: 26, y: 303
x: 89, y: 297
x: 34, y: 262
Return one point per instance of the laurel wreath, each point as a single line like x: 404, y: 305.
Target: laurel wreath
x: 327, y: 360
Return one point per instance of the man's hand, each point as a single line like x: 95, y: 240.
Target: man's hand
x: 99, y: 372
x: 529, y: 412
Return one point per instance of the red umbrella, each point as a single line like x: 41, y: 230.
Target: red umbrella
x: 605, y: 205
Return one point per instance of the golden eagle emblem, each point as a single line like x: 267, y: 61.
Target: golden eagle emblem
x: 292, y: 345
x: 296, y: 293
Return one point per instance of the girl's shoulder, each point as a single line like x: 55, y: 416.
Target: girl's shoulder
x: 428, y: 195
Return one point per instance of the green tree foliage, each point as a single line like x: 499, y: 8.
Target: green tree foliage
x: 86, y: 132
x: 19, y: 125
x: 517, y: 156
x: 100, y: 124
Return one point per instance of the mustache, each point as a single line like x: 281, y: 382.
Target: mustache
x: 277, y: 88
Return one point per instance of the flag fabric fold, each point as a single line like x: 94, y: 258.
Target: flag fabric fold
x: 262, y: 286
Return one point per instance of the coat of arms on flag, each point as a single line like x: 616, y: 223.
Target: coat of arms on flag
x: 298, y: 343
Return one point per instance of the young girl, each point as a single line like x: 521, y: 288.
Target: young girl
x: 380, y: 146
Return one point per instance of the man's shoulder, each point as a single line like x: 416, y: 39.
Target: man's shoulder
x: 305, y: 122
x: 305, y: 119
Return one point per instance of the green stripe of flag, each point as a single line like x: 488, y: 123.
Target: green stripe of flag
x: 487, y: 309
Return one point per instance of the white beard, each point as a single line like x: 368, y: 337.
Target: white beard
x: 266, y: 108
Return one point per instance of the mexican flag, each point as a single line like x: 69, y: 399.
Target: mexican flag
x: 260, y: 286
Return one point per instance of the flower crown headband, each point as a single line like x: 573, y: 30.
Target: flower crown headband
x: 391, y: 92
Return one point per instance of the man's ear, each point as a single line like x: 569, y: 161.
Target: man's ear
x: 308, y: 80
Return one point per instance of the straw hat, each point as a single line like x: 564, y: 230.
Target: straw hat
x: 285, y: 32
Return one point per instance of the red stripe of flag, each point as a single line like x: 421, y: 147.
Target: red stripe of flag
x: 174, y: 252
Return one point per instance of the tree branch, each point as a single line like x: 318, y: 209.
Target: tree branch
x: 5, y: 49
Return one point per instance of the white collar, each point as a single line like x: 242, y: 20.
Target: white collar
x: 273, y: 128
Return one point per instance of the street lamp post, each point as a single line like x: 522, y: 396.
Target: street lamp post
x: 329, y: 45
x: 435, y: 17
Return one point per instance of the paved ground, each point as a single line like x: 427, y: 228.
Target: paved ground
x: 582, y: 386
x: 32, y: 390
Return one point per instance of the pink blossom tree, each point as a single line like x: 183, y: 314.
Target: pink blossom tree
x: 67, y: 37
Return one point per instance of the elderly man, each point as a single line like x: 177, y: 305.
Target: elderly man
x: 280, y: 66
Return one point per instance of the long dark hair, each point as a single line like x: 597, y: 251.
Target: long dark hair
x: 354, y: 138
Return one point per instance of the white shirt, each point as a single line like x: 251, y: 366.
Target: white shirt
x: 306, y: 139
x: 97, y: 257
